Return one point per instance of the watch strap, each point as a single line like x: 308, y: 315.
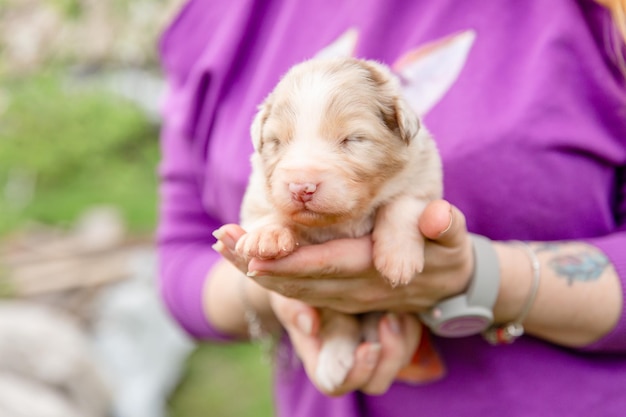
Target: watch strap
x: 472, y: 312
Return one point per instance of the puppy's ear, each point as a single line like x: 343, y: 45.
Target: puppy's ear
x: 396, y: 111
x: 408, y: 122
x: 256, y: 129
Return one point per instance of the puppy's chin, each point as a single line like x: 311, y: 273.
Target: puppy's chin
x: 310, y: 218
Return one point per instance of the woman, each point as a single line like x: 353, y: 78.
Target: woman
x: 533, y: 141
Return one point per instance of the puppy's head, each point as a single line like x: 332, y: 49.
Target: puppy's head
x: 330, y: 136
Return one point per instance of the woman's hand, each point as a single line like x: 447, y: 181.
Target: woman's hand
x: 376, y: 364
x: 340, y: 275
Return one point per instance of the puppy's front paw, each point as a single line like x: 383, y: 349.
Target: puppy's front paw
x: 398, y: 261
x: 268, y: 242
x: 336, y: 359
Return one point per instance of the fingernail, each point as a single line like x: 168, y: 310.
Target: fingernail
x: 218, y: 246
x: 372, y: 354
x: 394, y: 323
x: 221, y: 235
x: 304, y: 323
x: 256, y: 273
x: 449, y: 226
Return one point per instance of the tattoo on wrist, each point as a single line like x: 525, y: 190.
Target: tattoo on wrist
x: 579, y: 267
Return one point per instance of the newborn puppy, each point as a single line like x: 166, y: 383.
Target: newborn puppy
x: 339, y: 154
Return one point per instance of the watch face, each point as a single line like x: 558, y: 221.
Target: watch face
x: 463, y: 326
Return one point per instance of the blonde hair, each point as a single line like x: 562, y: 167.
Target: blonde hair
x: 617, y: 37
x: 618, y: 13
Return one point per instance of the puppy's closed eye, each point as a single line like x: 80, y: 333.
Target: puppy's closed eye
x: 352, y: 139
x: 274, y: 141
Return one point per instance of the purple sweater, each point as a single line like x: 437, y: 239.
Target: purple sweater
x: 533, y: 141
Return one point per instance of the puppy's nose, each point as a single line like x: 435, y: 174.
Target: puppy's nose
x: 302, y: 191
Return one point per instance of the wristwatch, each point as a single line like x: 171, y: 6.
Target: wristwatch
x: 472, y: 312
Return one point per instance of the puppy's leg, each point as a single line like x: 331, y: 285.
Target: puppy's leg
x: 369, y: 326
x: 268, y: 241
x: 341, y: 334
x: 398, y: 244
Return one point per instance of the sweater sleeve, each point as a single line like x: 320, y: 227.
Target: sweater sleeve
x: 614, y: 247
x: 184, y: 235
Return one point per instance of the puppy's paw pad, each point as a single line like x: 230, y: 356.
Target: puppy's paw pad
x: 334, y: 363
x: 269, y: 242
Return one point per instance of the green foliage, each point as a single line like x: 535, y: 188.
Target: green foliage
x: 70, y: 8
x: 81, y: 147
x: 225, y: 381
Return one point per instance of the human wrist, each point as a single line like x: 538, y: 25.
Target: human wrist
x: 257, y: 298
x: 500, y: 294
x: 228, y: 293
x: 516, y: 274
x: 471, y: 311
x: 509, y: 331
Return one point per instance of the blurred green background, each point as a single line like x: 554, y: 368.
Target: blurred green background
x: 76, y: 132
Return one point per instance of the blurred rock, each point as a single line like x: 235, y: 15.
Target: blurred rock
x: 141, y: 350
x: 85, y: 328
x: 44, y: 354
x: 16, y: 399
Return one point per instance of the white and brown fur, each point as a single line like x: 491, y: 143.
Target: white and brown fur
x: 339, y: 153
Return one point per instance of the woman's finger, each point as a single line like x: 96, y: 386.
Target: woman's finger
x: 443, y: 223
x: 295, y: 316
x: 227, y: 237
x: 399, y: 337
x: 340, y: 256
x: 229, y: 234
x: 301, y: 322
